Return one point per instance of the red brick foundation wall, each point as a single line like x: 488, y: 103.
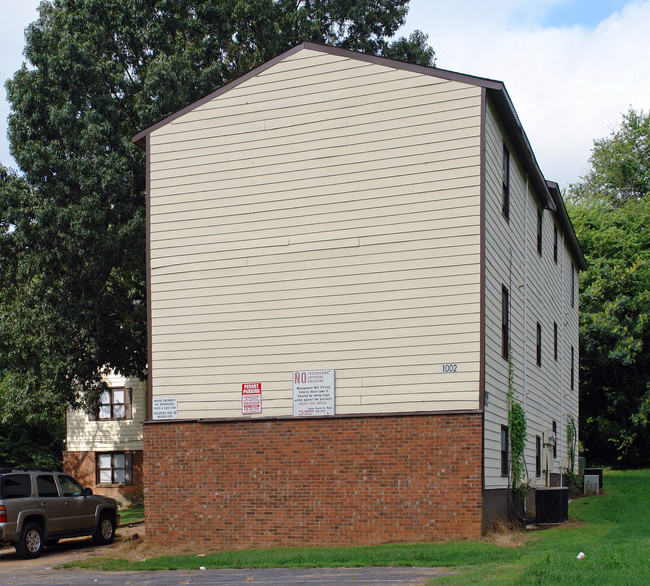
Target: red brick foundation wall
x: 81, y: 465
x: 333, y: 481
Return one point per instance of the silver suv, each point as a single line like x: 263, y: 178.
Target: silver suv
x: 38, y: 507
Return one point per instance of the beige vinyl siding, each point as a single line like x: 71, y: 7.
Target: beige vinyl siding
x: 323, y: 214
x: 84, y: 435
x: 539, y: 292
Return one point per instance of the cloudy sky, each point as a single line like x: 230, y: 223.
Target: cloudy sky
x: 571, y: 67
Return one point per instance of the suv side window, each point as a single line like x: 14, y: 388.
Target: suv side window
x: 16, y: 486
x: 70, y: 487
x: 46, y: 486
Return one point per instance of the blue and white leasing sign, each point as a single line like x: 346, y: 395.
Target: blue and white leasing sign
x: 313, y: 393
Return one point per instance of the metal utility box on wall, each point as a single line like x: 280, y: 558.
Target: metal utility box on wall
x: 552, y: 504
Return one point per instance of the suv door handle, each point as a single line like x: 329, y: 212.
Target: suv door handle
x: 68, y: 503
x: 44, y: 505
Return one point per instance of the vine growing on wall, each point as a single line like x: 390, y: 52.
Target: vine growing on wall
x: 572, y: 450
x: 571, y: 441
x: 517, y: 427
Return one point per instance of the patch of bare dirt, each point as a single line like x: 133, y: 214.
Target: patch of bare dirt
x: 132, y: 544
x: 505, y: 534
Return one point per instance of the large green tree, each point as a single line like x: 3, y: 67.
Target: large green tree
x: 610, y: 210
x: 72, y: 225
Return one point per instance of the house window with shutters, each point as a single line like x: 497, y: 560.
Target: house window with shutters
x: 114, y: 404
x: 115, y: 468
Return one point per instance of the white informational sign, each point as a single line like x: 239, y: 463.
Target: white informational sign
x: 165, y: 408
x: 251, y: 398
x: 313, y: 393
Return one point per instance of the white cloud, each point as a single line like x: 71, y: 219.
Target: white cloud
x: 569, y: 84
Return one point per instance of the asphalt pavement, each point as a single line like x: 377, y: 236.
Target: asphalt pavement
x: 46, y: 570
x: 320, y: 576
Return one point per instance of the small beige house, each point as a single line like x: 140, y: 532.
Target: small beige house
x: 345, y: 254
x: 104, y: 450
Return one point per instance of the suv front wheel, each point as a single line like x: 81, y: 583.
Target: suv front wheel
x: 105, y: 532
x: 30, y: 544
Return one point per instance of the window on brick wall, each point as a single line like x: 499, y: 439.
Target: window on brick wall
x: 504, y: 450
x: 505, y: 181
x: 505, y: 319
x: 114, y: 404
x: 115, y: 468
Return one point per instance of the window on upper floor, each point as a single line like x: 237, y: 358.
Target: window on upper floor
x: 114, y: 404
x: 504, y: 450
x: 539, y: 231
x: 539, y: 344
x: 505, y: 321
x: 114, y: 468
x: 555, y: 341
x: 555, y: 237
x: 505, y: 180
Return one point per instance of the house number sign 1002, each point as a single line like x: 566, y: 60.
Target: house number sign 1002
x: 449, y: 368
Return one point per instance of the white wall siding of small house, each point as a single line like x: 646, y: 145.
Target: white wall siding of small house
x: 539, y: 291
x: 323, y: 214
x: 84, y: 435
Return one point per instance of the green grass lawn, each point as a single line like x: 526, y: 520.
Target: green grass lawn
x: 614, y: 534
x: 131, y: 515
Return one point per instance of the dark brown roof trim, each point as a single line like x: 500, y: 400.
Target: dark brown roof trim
x: 139, y: 138
x: 346, y: 53
x: 524, y: 151
x: 496, y: 91
x: 565, y: 223
x: 293, y: 417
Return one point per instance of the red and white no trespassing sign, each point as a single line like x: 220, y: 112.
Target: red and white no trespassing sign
x: 251, y: 398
